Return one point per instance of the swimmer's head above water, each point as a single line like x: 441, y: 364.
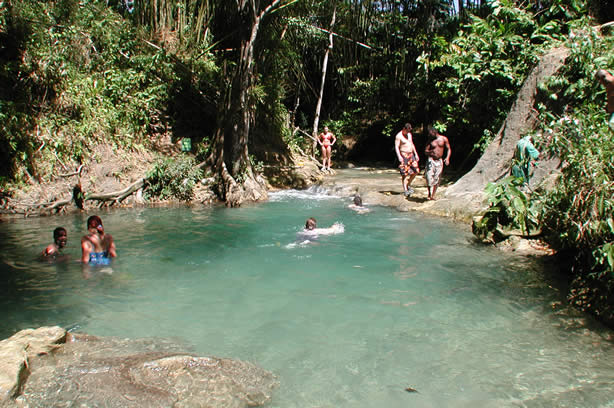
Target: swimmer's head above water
x: 310, y: 224
x: 95, y: 222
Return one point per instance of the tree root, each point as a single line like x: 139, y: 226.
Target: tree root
x: 117, y: 196
x: 111, y: 198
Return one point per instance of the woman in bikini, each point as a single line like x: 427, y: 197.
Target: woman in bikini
x: 97, y: 248
x: 326, y: 140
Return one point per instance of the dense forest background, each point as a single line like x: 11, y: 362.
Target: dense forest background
x: 249, y: 82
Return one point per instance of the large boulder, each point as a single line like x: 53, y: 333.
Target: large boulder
x: 111, y: 372
x: 16, y: 352
x: 466, y: 197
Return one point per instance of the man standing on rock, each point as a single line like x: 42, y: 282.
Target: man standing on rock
x: 408, y: 156
x: 438, y: 145
x: 607, y: 80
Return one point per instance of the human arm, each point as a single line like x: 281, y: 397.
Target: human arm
x: 86, y: 249
x: 448, y: 149
x: 112, y: 251
x: 413, y: 146
x: 51, y: 249
x: 334, y: 138
x: 397, y: 144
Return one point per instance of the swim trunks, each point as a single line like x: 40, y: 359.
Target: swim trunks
x: 99, y: 258
x: 433, y: 170
x: 409, y: 165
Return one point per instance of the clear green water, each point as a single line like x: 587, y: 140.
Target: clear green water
x: 397, y: 300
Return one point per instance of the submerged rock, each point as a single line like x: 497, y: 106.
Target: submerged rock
x: 110, y: 372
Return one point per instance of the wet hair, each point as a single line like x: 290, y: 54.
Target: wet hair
x: 310, y: 223
x: 408, y: 127
x: 432, y: 131
x: 57, y: 231
x: 358, y: 200
x: 93, y: 222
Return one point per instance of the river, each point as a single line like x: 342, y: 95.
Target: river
x: 397, y: 300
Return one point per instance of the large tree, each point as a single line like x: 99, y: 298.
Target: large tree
x: 230, y: 154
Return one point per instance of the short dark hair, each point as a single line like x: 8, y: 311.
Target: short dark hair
x: 358, y: 200
x: 310, y: 223
x: 56, y: 232
x: 407, y: 126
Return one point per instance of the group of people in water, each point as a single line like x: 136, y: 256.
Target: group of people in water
x: 97, y: 247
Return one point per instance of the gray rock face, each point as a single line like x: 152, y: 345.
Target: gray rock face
x: 109, y: 372
x: 16, y: 351
x: 495, y: 163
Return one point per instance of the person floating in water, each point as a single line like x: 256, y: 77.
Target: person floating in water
x: 97, y: 248
x: 60, y: 238
x: 311, y: 232
x: 311, y: 228
x: 357, y: 205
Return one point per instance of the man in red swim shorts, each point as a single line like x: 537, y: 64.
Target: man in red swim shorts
x: 408, y: 156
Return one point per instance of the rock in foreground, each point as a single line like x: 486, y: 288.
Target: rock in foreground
x: 110, y: 372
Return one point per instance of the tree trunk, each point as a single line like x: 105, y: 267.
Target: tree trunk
x: 238, y: 181
x: 316, y: 119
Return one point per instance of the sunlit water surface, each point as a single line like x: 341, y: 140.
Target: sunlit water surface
x: 398, y: 300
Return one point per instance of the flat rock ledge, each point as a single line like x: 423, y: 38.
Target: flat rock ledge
x: 49, y: 367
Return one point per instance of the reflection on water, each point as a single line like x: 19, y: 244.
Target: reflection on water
x: 350, y: 320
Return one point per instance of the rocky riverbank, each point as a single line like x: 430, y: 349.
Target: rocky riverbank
x: 380, y: 186
x: 49, y: 367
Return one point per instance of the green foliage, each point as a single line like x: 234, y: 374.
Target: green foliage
x: 78, y: 74
x: 579, y: 210
x: 173, y: 178
x: 516, y: 209
x: 487, y: 61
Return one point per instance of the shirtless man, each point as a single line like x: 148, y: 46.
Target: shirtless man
x: 607, y: 80
x: 60, y: 237
x: 97, y: 248
x: 326, y: 140
x: 408, y: 156
x: 434, y: 165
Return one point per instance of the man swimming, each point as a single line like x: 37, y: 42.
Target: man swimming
x: 357, y: 205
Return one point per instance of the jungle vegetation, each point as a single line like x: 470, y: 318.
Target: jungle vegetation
x: 241, y: 77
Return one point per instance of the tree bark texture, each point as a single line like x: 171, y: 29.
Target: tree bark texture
x: 316, y: 120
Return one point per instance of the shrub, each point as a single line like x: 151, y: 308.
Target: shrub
x: 173, y: 178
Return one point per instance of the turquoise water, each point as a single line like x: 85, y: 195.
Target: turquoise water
x: 398, y: 300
